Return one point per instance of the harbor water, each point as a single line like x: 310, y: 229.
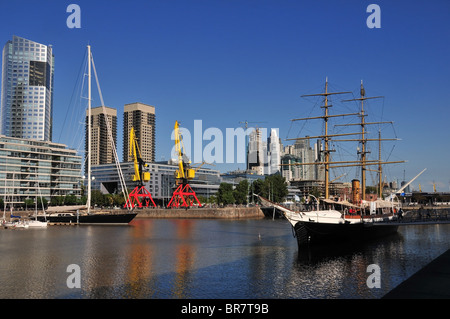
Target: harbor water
x: 207, y: 259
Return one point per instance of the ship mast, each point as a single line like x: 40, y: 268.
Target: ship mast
x: 380, y: 171
x: 363, y: 162
x: 363, y: 140
x: 326, y: 137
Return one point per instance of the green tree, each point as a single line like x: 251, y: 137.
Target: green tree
x: 70, y: 199
x: 108, y: 200
x: 57, y: 200
x: 82, y: 200
x: 212, y: 199
x: 119, y: 200
x: 42, y: 201
x: 97, y: 198
x: 259, y: 188
x: 276, y: 187
x: 240, y: 192
x: 225, y: 194
x: 29, y: 203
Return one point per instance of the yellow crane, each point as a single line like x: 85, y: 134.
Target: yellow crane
x: 140, y: 196
x: 139, y: 164
x: 183, y: 195
x: 184, y: 171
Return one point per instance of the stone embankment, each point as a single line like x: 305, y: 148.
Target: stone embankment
x: 205, y: 212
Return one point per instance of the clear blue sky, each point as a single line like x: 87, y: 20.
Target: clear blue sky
x: 229, y: 61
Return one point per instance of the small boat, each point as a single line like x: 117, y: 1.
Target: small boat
x: 8, y: 225
x: 21, y: 224
x: 34, y: 223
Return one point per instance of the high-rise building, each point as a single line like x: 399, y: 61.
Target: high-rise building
x: 274, y: 153
x: 257, y: 152
x: 141, y: 117
x: 27, y: 90
x: 101, y: 148
x: 302, y: 152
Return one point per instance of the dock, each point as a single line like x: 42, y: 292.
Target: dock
x: 204, y: 212
x: 431, y: 282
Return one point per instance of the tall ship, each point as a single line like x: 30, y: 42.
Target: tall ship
x: 331, y: 219
x: 83, y: 214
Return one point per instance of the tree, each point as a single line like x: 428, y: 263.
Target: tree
x: 42, y: 201
x: 240, y: 192
x: 119, y: 200
x: 70, y: 200
x: 57, y: 200
x: 276, y: 187
x: 258, y: 188
x: 225, y: 194
x: 29, y: 202
x: 273, y: 187
x: 97, y: 198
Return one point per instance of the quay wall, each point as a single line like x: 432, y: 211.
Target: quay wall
x: 205, y: 212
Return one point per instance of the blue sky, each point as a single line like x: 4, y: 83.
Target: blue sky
x: 224, y: 62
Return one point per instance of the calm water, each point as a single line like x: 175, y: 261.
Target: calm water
x: 210, y: 259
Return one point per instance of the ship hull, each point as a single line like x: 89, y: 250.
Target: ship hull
x: 87, y: 219
x: 317, y: 233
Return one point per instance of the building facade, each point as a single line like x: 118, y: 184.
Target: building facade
x: 102, y: 151
x: 142, y: 118
x: 162, y: 180
x: 30, y: 169
x: 27, y: 90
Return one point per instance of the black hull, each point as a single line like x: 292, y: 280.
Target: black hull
x: 272, y: 212
x: 317, y: 233
x: 96, y: 219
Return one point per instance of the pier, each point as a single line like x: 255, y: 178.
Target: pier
x: 204, y: 212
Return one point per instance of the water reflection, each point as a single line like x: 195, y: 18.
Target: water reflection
x: 205, y: 259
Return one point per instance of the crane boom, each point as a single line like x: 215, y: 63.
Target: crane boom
x: 178, y: 149
x: 184, y: 171
x: 139, y: 164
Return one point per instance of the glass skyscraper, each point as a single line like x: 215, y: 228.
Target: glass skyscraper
x: 27, y: 90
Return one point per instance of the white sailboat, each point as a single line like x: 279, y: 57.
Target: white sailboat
x: 35, y: 223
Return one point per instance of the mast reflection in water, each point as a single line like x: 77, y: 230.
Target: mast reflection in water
x: 251, y: 259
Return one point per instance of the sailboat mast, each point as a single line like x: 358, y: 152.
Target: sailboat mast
x: 380, y: 172
x: 363, y: 146
x: 327, y: 151
x: 88, y: 203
